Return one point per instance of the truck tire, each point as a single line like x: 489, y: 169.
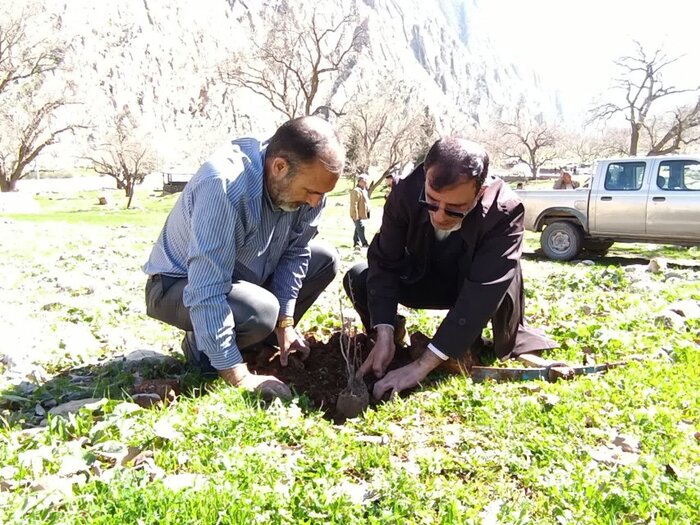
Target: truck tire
x: 561, y: 241
x: 596, y: 247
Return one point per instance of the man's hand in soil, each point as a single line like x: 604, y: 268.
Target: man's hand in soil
x: 407, y: 376
x: 381, y: 354
x: 289, y: 342
x: 268, y: 387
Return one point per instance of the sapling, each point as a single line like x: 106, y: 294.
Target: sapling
x: 354, y: 398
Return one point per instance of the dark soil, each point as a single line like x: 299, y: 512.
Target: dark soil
x: 321, y: 377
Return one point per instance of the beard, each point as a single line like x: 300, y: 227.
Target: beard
x: 280, y: 194
x: 441, y: 233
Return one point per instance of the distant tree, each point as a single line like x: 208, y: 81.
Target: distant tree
x: 641, y: 86
x: 387, y: 129
x: 124, y: 157
x: 289, y: 66
x: 586, y: 147
x: 529, y: 140
x: 29, y: 62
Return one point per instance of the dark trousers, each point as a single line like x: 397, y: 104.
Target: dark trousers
x: 435, y: 292
x: 358, y: 238
x: 255, y: 309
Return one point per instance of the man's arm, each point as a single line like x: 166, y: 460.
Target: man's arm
x: 386, y: 258
x: 210, y: 264
x: 492, y: 270
x: 294, y: 263
x: 354, y: 202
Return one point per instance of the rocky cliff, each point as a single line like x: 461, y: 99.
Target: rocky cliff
x: 159, y: 62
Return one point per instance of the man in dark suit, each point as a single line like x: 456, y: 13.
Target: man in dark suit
x: 451, y: 238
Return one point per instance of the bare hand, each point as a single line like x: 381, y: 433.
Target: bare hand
x: 289, y: 342
x: 381, y: 354
x: 268, y: 387
x: 407, y: 376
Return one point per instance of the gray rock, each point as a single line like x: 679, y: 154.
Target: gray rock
x: 689, y: 309
x: 71, y: 407
x: 670, y: 320
x: 139, y: 358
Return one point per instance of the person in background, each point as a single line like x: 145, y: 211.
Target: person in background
x: 235, y: 262
x: 565, y: 182
x: 359, y: 211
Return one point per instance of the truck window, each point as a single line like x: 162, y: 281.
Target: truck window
x: 624, y: 176
x: 679, y: 175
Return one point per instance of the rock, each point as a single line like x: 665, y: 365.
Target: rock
x: 148, y: 358
x: 627, y: 443
x: 689, y: 309
x: 74, y: 406
x: 587, y: 262
x: 164, y: 389
x: 613, y: 456
x: 178, y: 482
x: 147, y: 400
x: 670, y: 320
x: 656, y: 266
x: 674, y: 275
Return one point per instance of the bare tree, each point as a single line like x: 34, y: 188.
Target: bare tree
x: 642, y: 86
x: 387, y: 130
x: 28, y: 106
x: 529, y: 140
x: 124, y: 157
x: 289, y: 67
x: 585, y: 147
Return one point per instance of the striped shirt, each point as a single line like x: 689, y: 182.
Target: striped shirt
x: 225, y: 228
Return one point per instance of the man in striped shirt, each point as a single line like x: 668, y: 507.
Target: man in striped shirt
x: 235, y: 260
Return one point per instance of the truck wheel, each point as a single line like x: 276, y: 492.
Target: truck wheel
x: 595, y: 247
x: 561, y: 241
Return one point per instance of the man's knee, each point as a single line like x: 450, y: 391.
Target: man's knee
x: 325, y: 261
x: 355, y: 282
x: 255, y: 312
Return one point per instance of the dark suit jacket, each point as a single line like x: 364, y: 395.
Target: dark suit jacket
x: 489, y: 263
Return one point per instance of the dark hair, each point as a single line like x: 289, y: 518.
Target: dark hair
x: 454, y: 161
x: 305, y: 139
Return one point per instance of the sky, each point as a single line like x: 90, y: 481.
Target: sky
x: 572, y: 44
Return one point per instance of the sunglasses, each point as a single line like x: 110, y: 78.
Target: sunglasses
x: 434, y: 207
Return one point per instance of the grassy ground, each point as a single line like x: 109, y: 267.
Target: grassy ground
x: 453, y: 452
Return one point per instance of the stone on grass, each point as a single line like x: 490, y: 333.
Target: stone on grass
x: 148, y: 358
x: 689, y: 309
x: 627, y: 443
x: 147, y: 400
x: 71, y: 407
x: 670, y: 320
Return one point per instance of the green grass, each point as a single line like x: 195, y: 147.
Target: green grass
x: 452, y: 452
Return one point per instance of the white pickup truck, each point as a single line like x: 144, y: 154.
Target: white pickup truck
x: 634, y: 199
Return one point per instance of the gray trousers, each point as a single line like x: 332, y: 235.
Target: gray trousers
x: 255, y: 309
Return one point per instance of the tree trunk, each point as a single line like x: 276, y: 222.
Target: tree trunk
x: 130, y: 193
x: 374, y: 185
x: 634, y: 140
x: 8, y: 185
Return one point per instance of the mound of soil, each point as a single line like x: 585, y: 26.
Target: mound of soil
x: 322, y: 375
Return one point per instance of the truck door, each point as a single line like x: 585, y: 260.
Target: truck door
x: 620, y: 199
x: 673, y: 210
